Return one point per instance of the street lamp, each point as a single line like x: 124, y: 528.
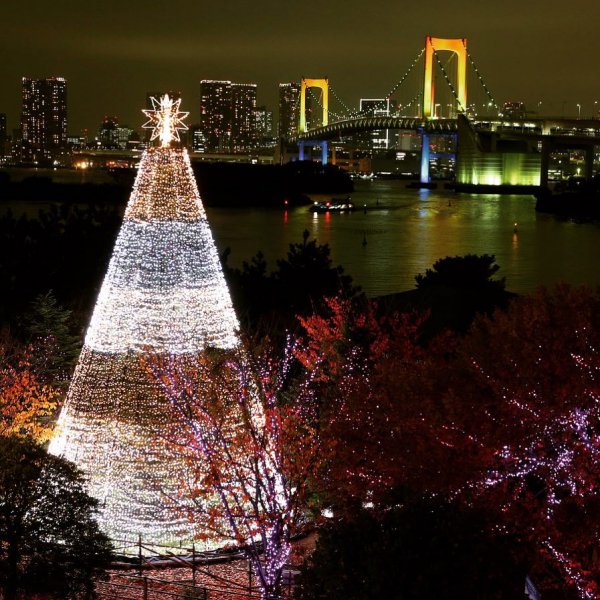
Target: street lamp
x: 579, y: 111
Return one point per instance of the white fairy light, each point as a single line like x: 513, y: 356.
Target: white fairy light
x: 164, y: 293
x: 161, y: 273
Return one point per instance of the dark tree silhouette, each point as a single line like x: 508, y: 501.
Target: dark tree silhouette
x: 270, y: 302
x: 426, y: 549
x: 48, y: 328
x: 470, y: 271
x: 64, y: 248
x: 49, y: 540
x: 307, y: 276
x: 454, y: 291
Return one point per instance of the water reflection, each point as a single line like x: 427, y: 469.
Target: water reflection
x: 515, y: 241
x: 406, y: 231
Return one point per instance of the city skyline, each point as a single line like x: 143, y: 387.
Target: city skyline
x: 111, y: 55
x: 43, y: 118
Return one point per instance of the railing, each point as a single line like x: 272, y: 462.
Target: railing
x: 144, y: 555
x: 136, y: 587
x: 161, y: 572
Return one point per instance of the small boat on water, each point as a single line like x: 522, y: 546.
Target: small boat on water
x: 335, y: 205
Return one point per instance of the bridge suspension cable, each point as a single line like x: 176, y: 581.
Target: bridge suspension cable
x: 402, y: 79
x: 347, y: 113
x: 418, y: 96
x: 318, y: 101
x: 344, y: 105
x: 350, y: 114
x: 480, y: 78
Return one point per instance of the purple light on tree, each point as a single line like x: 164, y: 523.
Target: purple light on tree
x: 250, y: 440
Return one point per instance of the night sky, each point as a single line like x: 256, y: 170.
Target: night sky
x: 112, y: 52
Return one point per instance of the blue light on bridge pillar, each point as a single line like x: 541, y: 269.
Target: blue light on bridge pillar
x: 321, y: 143
x: 424, y: 157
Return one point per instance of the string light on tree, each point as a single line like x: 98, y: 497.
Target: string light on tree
x: 253, y: 444
x: 164, y: 294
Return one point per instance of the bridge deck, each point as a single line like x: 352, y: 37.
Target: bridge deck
x: 539, y: 127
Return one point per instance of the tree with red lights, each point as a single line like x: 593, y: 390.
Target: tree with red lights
x: 507, y: 418
x: 250, y: 436
x: 373, y: 370
x: 533, y: 417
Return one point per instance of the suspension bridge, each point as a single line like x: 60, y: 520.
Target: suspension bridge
x: 491, y: 148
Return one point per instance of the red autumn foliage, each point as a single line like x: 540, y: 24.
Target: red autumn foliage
x: 359, y: 353
x: 507, y: 418
x: 27, y: 404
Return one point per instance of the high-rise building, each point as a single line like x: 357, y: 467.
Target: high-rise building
x: 263, y: 122
x: 227, y: 121
x: 289, y: 109
x: 375, y: 107
x: 112, y: 135
x: 196, y: 138
x: 263, y: 119
x: 215, y: 114
x: 43, y: 118
x: 243, y: 105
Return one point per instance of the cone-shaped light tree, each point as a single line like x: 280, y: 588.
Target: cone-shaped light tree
x: 164, y: 293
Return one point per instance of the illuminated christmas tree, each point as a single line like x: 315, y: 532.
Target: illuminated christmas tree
x: 164, y: 294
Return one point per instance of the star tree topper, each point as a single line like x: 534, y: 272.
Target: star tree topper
x: 165, y: 119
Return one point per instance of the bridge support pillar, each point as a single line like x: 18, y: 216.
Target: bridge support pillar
x: 424, y: 157
x: 457, y: 46
x: 300, y: 150
x: 321, y: 143
x: 545, y: 163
